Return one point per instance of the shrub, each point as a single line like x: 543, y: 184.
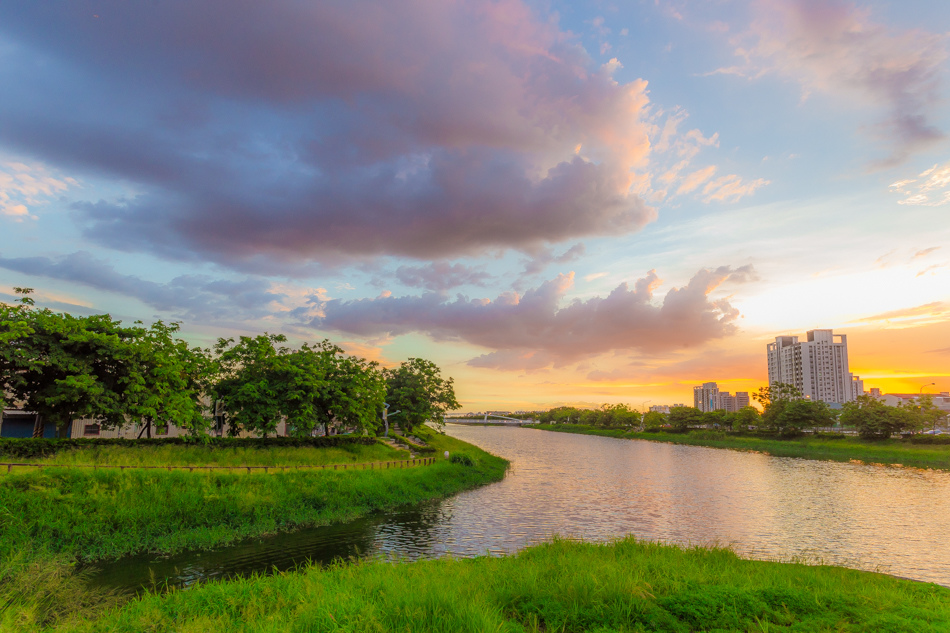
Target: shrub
x: 463, y: 459
x: 930, y: 439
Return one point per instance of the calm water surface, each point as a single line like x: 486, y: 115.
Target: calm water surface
x: 895, y: 520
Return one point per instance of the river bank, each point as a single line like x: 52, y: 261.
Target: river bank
x: 558, y: 586
x: 57, y: 517
x: 892, y: 452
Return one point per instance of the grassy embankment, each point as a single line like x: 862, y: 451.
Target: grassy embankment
x: 559, y: 586
x: 200, y: 455
x: 54, y: 517
x: 894, y: 451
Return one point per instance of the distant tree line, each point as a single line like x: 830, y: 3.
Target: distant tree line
x: 785, y: 412
x: 66, y: 367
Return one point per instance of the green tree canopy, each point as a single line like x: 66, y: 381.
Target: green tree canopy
x: 681, y: 418
x: 64, y: 367
x: 247, y: 382
x: 653, y: 419
x: 167, y: 379
x: 416, y: 389
x: 875, y: 420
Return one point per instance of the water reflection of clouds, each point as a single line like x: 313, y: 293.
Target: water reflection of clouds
x: 863, y: 516
x: 595, y: 488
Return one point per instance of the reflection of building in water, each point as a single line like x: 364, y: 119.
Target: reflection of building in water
x: 817, y: 367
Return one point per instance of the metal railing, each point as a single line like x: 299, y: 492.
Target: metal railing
x: 405, y: 463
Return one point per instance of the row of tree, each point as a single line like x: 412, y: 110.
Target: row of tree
x: 66, y: 367
x: 784, y: 411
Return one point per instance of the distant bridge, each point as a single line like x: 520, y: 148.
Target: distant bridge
x: 484, y: 419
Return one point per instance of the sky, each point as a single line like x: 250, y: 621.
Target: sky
x: 560, y: 203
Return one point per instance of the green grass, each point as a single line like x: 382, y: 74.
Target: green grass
x: 108, y: 513
x: 560, y: 586
x: 53, y: 518
x: 842, y: 450
x: 199, y: 455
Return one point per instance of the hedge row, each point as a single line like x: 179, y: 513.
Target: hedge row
x: 27, y: 448
x: 930, y: 439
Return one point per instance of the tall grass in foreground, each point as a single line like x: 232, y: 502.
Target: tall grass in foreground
x: 199, y: 455
x: 842, y: 450
x: 560, y: 586
x: 39, y: 589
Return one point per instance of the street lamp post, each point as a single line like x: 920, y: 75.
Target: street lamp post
x: 386, y: 415
x: 920, y: 392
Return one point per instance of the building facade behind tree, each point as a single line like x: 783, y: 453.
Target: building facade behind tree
x: 817, y: 367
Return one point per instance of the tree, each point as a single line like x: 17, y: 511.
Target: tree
x: 875, y: 420
x: 351, y: 392
x: 317, y: 386
x: 786, y: 412
x: 63, y: 367
x: 247, y: 382
x: 926, y: 411
x: 681, y: 418
x: 653, y: 419
x: 166, y: 379
x: 718, y: 418
x: 795, y: 416
x: 746, y: 417
x: 776, y: 392
x: 14, y: 326
x: 417, y: 389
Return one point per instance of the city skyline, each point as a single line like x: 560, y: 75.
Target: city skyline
x: 559, y: 203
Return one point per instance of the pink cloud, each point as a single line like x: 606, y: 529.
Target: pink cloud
x: 540, y: 328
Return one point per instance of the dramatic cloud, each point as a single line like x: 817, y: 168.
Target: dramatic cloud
x: 441, y: 276
x: 534, y: 330
x: 312, y: 131
x: 193, y: 297
x: 833, y: 46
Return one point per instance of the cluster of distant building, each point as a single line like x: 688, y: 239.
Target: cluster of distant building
x: 817, y: 367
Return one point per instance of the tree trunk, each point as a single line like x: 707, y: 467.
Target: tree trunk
x: 326, y: 430
x: 38, y: 426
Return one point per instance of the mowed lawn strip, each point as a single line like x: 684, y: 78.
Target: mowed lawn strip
x: 560, y: 586
x: 894, y: 451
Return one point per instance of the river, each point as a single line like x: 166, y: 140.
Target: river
x: 889, y: 519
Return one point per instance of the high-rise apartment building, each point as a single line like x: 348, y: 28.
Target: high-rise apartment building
x: 706, y: 397
x: 732, y: 403
x: 818, y: 366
